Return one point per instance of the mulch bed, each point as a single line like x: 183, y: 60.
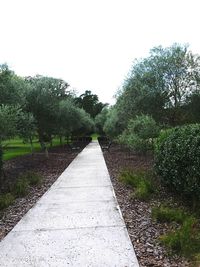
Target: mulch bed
x: 50, y: 169
x: 143, y: 231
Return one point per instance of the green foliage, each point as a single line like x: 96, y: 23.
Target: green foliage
x: 165, y: 214
x: 1, y: 161
x: 184, y: 241
x: 100, y: 120
x: 112, y: 126
x: 178, y: 161
x: 158, y: 85
x: 12, y: 87
x: 140, y: 133
x: 6, y: 200
x: 144, y: 190
x: 26, y: 126
x: 20, y: 188
x: 32, y: 178
x: 161, y: 138
x: 141, y: 181
x: 90, y: 103
x: 7, y: 121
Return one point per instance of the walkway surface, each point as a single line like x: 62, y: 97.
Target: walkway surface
x: 77, y: 222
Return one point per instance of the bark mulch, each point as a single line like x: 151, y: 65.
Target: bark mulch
x: 143, y: 231
x: 50, y: 169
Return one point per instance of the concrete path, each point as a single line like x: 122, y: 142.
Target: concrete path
x: 77, y: 222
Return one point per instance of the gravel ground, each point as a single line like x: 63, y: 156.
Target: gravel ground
x: 50, y: 169
x: 143, y: 231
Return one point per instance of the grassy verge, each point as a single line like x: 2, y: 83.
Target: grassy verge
x: 16, y: 147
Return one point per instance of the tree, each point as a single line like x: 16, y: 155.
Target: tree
x: 26, y: 127
x: 42, y: 100
x: 90, y: 103
x: 7, y: 128
x: 159, y: 84
x: 12, y: 87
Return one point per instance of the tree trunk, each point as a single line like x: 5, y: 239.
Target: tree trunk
x: 46, y: 152
x: 31, y: 143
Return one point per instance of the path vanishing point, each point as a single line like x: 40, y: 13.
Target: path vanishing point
x: 77, y: 222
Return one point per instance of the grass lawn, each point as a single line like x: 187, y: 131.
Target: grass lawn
x: 15, y: 147
x: 94, y: 136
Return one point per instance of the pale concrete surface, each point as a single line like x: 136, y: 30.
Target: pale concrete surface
x: 77, y: 222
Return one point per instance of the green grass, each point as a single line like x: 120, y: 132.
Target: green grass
x: 6, y: 200
x: 184, y: 241
x: 94, y: 136
x: 32, y: 177
x: 164, y: 214
x: 15, y: 147
x: 141, y: 181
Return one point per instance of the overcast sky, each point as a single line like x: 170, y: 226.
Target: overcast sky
x: 91, y: 44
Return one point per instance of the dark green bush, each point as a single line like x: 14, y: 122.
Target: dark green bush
x: 20, y: 188
x: 6, y: 200
x: 161, y: 138
x: 177, y: 161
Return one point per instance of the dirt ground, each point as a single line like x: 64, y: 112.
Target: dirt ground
x: 143, y: 231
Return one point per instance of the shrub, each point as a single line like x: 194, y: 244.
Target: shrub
x: 165, y: 214
x: 184, y: 241
x: 1, y: 159
x: 141, y: 181
x: 130, y: 178
x: 6, y: 200
x: 140, y: 133
x: 21, y: 187
x: 161, y: 138
x: 33, y: 178
x: 177, y: 161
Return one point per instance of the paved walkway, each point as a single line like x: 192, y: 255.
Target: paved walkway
x: 76, y: 223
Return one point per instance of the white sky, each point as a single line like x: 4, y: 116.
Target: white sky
x: 91, y: 43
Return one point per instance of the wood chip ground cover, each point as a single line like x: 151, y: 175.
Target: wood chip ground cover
x: 143, y: 231
x: 50, y: 169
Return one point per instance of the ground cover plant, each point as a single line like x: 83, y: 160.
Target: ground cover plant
x: 140, y: 181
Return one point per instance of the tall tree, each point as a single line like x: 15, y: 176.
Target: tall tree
x: 159, y: 84
x: 90, y: 103
x: 42, y: 100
